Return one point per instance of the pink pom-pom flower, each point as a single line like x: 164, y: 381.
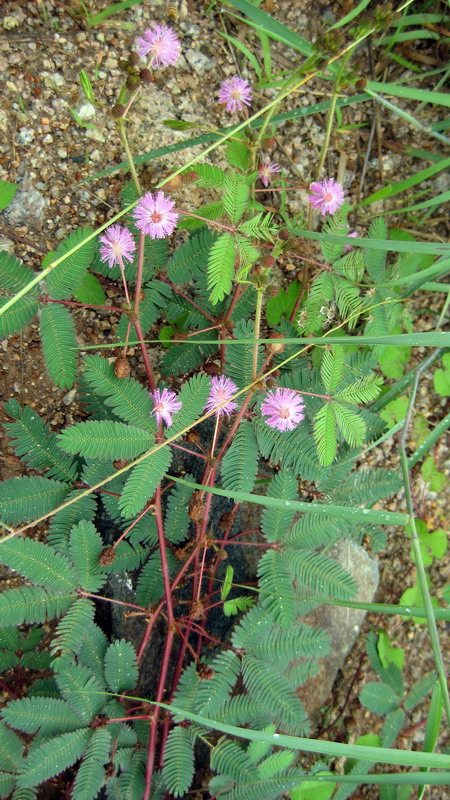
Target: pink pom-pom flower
x: 117, y: 245
x: 161, y: 44
x: 221, y: 390
x: 283, y: 408
x: 165, y: 404
x: 266, y: 170
x: 153, y: 215
x: 235, y: 93
x: 327, y: 196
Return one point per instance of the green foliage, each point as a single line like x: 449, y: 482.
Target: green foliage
x: 36, y: 445
x: 7, y: 192
x: 240, y: 463
x: 143, y: 480
x: 125, y: 396
x: 193, y: 396
x: 211, y: 211
x: 61, y: 523
x: 239, y: 358
x: 235, y: 196
x: 20, y: 314
x: 190, y: 260
x: 177, y: 520
x: 275, y: 586
x: 45, y: 714
x: 85, y: 547
x: 276, y: 522
x: 67, y: 276
x: 59, y: 344
x: 105, y: 440
x: 90, y: 291
x: 80, y: 689
x: 178, y: 761
x: 209, y: 176
x: 14, y: 275
x: 39, y: 563
x: 221, y: 267
x: 91, y: 773
x: 121, y: 666
x: 71, y: 628
x: 32, y: 604
x: 51, y: 757
x: 238, y: 153
x: 150, y: 586
x: 282, y: 304
x: 441, y: 377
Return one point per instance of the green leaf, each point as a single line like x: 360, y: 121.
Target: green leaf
x: 11, y: 748
x: 7, y: 192
x: 282, y: 304
x: 193, y: 396
x: 70, y: 630
x: 90, y: 291
x: 441, y: 377
x: 59, y: 344
x: 20, y: 314
x: 177, y: 519
x: 91, y: 772
x: 209, y: 176
x: 210, y: 211
x: 431, y: 474
x: 392, y: 361
x: 126, y: 396
x: 379, y: 698
x: 52, y: 757
x: 80, y: 689
x: 121, y: 669
x: 275, y: 586
x: 240, y: 463
x: 275, y: 522
x: 395, y: 411
x: 61, y: 523
x: 190, y: 259
x: 332, y: 368
x: 178, y: 761
x: 221, y: 267
x: 235, y: 197
x: 32, y: 604
x: 310, y: 790
x: 143, y: 481
x: 237, y: 153
x: 36, y: 444
x: 67, y: 276
x: 150, y: 586
x: 85, y: 548
x: 105, y: 440
x: 13, y: 274
x: 47, y: 714
x: 323, y: 576
x: 363, y: 390
x: 213, y: 693
x: 351, y: 425
x: 325, y: 434
x: 389, y: 654
x: 39, y: 563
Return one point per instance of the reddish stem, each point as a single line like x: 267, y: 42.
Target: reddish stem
x: 188, y: 299
x: 130, y: 527
x: 82, y: 593
x: 155, y: 717
x: 208, y: 221
x: 80, y: 305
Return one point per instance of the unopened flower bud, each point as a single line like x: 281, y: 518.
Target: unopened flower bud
x: 146, y: 76
x: 361, y: 84
x: 212, y: 368
x: 122, y: 367
x: 132, y: 81
x: 117, y: 111
x: 107, y: 556
x: 268, y: 262
x: 120, y: 462
x: 284, y: 234
x: 175, y: 183
x: 276, y: 347
x: 133, y: 59
x: 190, y: 177
x: 272, y: 290
x: 269, y: 143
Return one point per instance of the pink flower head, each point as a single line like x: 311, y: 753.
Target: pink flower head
x: 162, y: 44
x: 348, y: 247
x: 117, y: 245
x: 327, y: 196
x: 283, y: 409
x: 221, y: 390
x: 234, y: 93
x: 165, y: 404
x: 153, y: 215
x: 266, y: 170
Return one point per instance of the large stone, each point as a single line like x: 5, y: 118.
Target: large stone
x: 27, y: 207
x: 343, y: 624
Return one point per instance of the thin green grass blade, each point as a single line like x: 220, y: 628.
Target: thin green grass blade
x: 393, y: 189
x: 340, y: 512
x: 351, y: 15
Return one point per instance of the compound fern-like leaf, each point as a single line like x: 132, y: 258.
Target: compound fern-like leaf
x: 121, y: 669
x: 52, y: 757
x: 39, y: 563
x: 240, y: 463
x: 275, y: 587
x: 91, y: 773
x: 59, y: 344
x: 70, y: 630
x: 32, y: 604
x: 50, y: 715
x: 67, y: 276
x: 20, y: 314
x: 105, y: 440
x: 221, y: 267
x: 143, y: 480
x: 85, y: 547
x: 126, y: 396
x: 178, y: 761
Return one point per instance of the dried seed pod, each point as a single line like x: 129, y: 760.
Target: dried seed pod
x: 225, y: 521
x: 122, y: 367
x: 120, y: 462
x: 205, y: 672
x: 196, y: 508
x: 361, y: 84
x: 175, y: 183
x: 192, y: 437
x: 133, y: 59
x: 269, y: 143
x: 276, y: 347
x: 268, y: 262
x: 284, y: 234
x: 107, y: 556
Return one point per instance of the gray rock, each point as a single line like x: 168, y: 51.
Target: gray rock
x: 86, y: 110
x: 199, y: 61
x: 25, y: 136
x: 27, y: 207
x: 343, y: 624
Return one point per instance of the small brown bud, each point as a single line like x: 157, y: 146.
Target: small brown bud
x: 225, y: 521
x: 361, y: 84
x: 229, y: 325
x: 272, y: 290
x: 192, y: 437
x: 107, y: 556
x: 269, y: 143
x: 284, y: 235
x: 146, y: 76
x: 212, y: 368
x: 222, y: 555
x: 175, y: 183
x: 189, y: 177
x: 133, y: 59
x: 268, y: 262
x: 120, y: 462
x: 122, y: 367
x: 271, y: 383
x: 123, y: 64
x: 276, y: 347
x: 205, y: 672
x: 117, y: 111
x: 197, y: 609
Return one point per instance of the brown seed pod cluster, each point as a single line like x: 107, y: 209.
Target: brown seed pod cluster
x: 122, y: 367
x: 107, y: 556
